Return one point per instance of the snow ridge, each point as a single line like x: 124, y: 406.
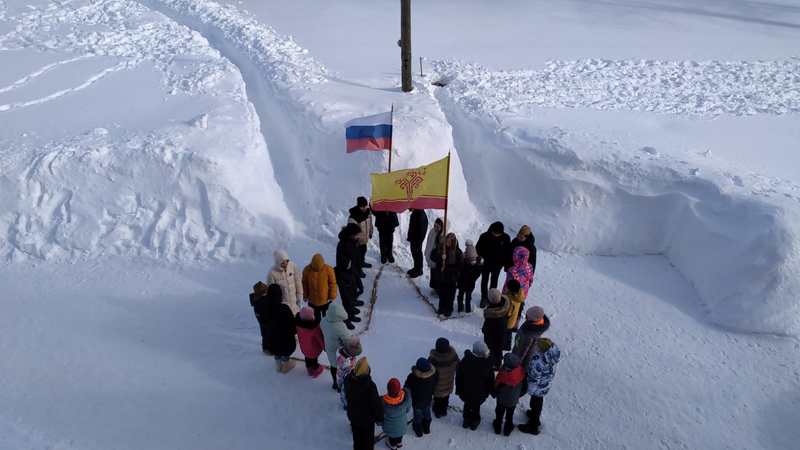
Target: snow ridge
x: 697, y: 88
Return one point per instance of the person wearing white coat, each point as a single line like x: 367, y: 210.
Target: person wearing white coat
x: 286, y: 275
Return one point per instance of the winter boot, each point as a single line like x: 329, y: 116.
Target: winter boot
x: 358, y: 303
x: 287, y: 366
x: 474, y: 425
x: 529, y: 428
x: 366, y: 265
x: 335, y: 387
x: 426, y: 426
x: 508, y: 428
x: 417, y: 429
x: 483, y: 303
x: 315, y: 373
x: 349, y: 325
x: 496, y: 425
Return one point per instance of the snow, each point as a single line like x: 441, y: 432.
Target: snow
x: 153, y: 153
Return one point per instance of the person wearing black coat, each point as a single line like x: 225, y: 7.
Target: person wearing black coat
x: 417, y: 230
x: 347, y: 270
x: 281, y: 329
x: 448, y: 278
x: 474, y: 383
x: 364, y: 406
x: 386, y: 222
x: 492, y: 247
x: 421, y: 382
x: 258, y: 300
x: 495, y: 323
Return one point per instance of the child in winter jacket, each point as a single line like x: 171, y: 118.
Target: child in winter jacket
x: 335, y: 332
x: 364, y: 406
x: 507, y: 390
x: 345, y: 362
x: 516, y: 300
x: 311, y: 341
x: 474, y: 383
x: 536, y: 323
x: 445, y: 359
x: 421, y: 383
x: 319, y: 284
x: 470, y: 272
x: 285, y: 274
x: 495, y: 318
x: 258, y: 300
x: 396, y: 405
x: 541, y: 370
x: 522, y: 271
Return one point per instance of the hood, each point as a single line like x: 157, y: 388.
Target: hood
x: 423, y: 375
x: 552, y: 355
x: 349, y: 231
x: 280, y: 256
x: 530, y: 327
x: 497, y: 311
x: 306, y: 324
x: 360, y: 216
x: 443, y: 358
x: 336, y: 313
x: 317, y: 262
x: 521, y: 256
x: 274, y: 294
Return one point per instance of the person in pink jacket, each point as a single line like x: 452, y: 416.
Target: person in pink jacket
x: 311, y: 340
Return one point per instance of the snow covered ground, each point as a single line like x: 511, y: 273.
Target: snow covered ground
x: 154, y: 152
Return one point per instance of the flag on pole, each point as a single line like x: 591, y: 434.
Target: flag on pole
x: 369, y: 133
x: 424, y: 187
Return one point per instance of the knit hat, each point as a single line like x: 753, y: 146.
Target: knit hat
x: 352, y: 345
x: 534, y: 314
x: 524, y: 232
x: 260, y: 289
x: 480, y: 349
x: 510, y: 361
x: 361, y: 202
x: 495, y: 296
x: 306, y: 313
x: 394, y: 387
x: 362, y: 367
x: 513, y: 286
x: 423, y: 365
x: 496, y: 227
x: 442, y: 345
x: 470, y: 254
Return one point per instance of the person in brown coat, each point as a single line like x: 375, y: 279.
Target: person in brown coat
x: 319, y: 285
x: 445, y: 359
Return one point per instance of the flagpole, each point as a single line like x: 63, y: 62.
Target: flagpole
x: 391, y: 139
x: 446, y: 204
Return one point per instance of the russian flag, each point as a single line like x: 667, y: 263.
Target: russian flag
x: 369, y: 133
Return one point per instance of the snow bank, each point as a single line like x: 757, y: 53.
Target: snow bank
x: 190, y: 189
x: 303, y: 109
x: 740, y: 250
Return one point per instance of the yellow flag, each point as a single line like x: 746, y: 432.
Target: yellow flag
x: 424, y: 187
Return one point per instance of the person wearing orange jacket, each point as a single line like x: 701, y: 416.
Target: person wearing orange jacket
x: 319, y: 285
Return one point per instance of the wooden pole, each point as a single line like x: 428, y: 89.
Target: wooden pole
x: 420, y: 67
x: 405, y: 44
x: 446, y: 204
x: 391, y: 139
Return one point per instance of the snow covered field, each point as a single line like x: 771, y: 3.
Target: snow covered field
x: 154, y: 152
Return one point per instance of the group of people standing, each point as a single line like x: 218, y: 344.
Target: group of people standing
x: 511, y: 360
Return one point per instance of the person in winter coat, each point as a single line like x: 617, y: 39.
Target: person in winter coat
x: 449, y: 271
x: 445, y: 359
x: 495, y: 318
x: 541, y: 371
x: 507, y: 390
x: 522, y: 271
x: 536, y: 323
x: 319, y: 284
x: 345, y: 362
x: 280, y: 329
x: 421, y: 382
x: 474, y: 383
x: 364, y: 406
x: 347, y: 270
x: 362, y: 216
x: 525, y: 239
x: 470, y: 272
x: 417, y: 229
x: 434, y: 239
x: 386, y: 222
x: 396, y: 405
x: 516, y: 299
x: 258, y: 300
x: 285, y: 274
x: 492, y: 247
x: 335, y: 333
x: 311, y: 340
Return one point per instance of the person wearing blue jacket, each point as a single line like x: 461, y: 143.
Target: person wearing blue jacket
x: 541, y: 371
x: 396, y: 405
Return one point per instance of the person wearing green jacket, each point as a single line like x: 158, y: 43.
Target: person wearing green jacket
x: 335, y: 332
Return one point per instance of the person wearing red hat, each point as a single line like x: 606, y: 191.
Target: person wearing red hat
x: 396, y: 405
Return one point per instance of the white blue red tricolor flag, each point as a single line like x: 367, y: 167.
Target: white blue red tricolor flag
x: 369, y: 133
